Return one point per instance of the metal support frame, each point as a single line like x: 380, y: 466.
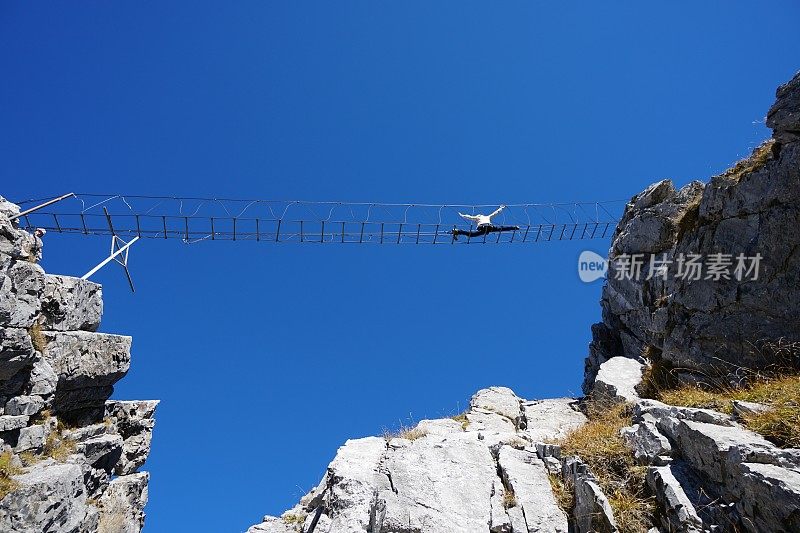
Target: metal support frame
x: 49, y: 202
x: 119, y: 253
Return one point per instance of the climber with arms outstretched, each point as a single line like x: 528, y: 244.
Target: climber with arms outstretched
x: 483, y: 224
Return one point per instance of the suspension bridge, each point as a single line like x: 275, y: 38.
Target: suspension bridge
x: 194, y: 220
x: 129, y: 218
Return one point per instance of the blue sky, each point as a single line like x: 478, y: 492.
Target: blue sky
x: 268, y: 358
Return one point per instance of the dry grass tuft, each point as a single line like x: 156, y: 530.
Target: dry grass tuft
x: 7, y: 469
x: 38, y: 339
x: 292, y: 518
x: 755, y: 161
x: 412, y: 433
x: 462, y: 417
x: 58, y: 447
x: 404, y: 432
x: 564, y: 493
x: 780, y: 425
x: 599, y: 444
x: 509, y: 499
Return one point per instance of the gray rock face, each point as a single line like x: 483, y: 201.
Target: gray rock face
x: 678, y: 512
x: 51, y: 498
x: 71, y: 304
x: 592, y: 512
x: 649, y: 446
x: 784, y: 115
x: 122, y: 504
x: 709, y: 473
x: 617, y: 380
x: 135, y: 422
x: 24, y: 405
x: 744, y: 409
x: 551, y: 419
x: 525, y: 475
x: 14, y: 242
x: 21, y: 284
x: 87, y: 365
x: 54, y: 368
x: 488, y: 476
x: 710, y: 326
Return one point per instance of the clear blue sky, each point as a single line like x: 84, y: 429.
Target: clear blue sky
x: 268, y: 358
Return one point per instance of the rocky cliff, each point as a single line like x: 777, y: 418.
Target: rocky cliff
x: 711, y: 327
x: 500, y: 466
x: 70, y: 456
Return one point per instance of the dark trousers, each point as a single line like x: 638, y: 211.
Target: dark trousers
x: 480, y: 231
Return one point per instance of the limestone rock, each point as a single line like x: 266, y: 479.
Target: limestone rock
x: 662, y: 411
x: 51, y: 373
x: 24, y: 405
x: 32, y: 438
x: 617, y: 380
x: 439, y: 483
x: 762, y: 481
x: 744, y: 409
x: 12, y: 422
x: 70, y: 304
x: 273, y: 524
x: 16, y: 352
x: 551, y: 419
x: 101, y: 452
x: 14, y: 242
x: 649, y: 446
x: 43, y: 380
x: 51, y: 498
x: 447, y: 478
x: 784, y: 115
x: 440, y: 427
x: 711, y: 326
x: 678, y: 512
x: 21, y: 284
x: 500, y: 400
x: 87, y: 365
x: 525, y: 474
x: 122, y: 504
x: 134, y: 421
x: 354, y: 479
x: 592, y: 512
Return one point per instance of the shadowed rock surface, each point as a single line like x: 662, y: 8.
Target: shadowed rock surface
x: 711, y: 326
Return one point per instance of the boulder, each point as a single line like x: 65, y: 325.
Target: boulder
x: 12, y: 422
x: 617, y: 380
x: 551, y: 419
x: 649, y: 446
x: 24, y: 405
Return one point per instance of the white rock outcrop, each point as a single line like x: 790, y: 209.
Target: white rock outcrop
x: 481, y: 472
